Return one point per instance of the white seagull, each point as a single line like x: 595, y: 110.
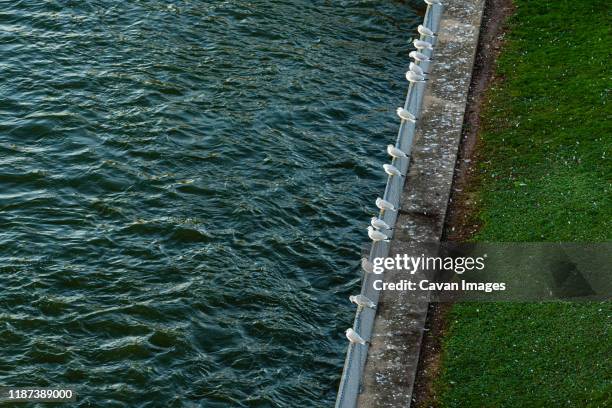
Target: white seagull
x: 404, y: 114
x: 392, y: 170
x: 396, y: 153
x: 379, y: 224
x: 384, y: 204
x: 376, y: 235
x: 422, y: 45
x: 414, y: 77
x: 419, y: 56
x: 354, y: 337
x: 362, y: 301
x: 425, y: 31
x: 416, y: 69
x: 367, y: 265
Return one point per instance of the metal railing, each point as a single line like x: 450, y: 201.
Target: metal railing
x: 350, y: 383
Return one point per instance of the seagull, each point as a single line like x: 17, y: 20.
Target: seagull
x: 367, y: 265
x: 362, y: 301
x: 419, y: 56
x: 379, y: 224
x: 376, y: 235
x: 384, y: 204
x: 404, y: 114
x: 396, y: 153
x: 422, y: 45
x: 425, y: 31
x: 414, y: 77
x: 354, y: 337
x: 432, y: 2
x: 416, y: 69
x: 392, y: 170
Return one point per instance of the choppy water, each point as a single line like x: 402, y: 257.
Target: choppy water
x: 184, y: 191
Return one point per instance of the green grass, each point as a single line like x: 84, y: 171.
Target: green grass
x: 526, y: 355
x: 544, y: 175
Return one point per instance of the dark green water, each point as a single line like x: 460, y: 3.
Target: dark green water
x: 184, y: 192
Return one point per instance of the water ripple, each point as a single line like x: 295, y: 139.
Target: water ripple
x: 184, y: 189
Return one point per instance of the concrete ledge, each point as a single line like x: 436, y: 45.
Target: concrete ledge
x: 393, y: 356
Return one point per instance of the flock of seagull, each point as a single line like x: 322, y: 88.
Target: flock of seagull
x: 377, y: 227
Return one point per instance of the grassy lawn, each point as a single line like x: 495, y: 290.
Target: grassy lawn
x: 544, y: 175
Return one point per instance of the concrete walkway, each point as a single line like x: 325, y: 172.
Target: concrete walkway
x: 393, y: 356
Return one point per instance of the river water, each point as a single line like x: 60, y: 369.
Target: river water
x: 184, y: 192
